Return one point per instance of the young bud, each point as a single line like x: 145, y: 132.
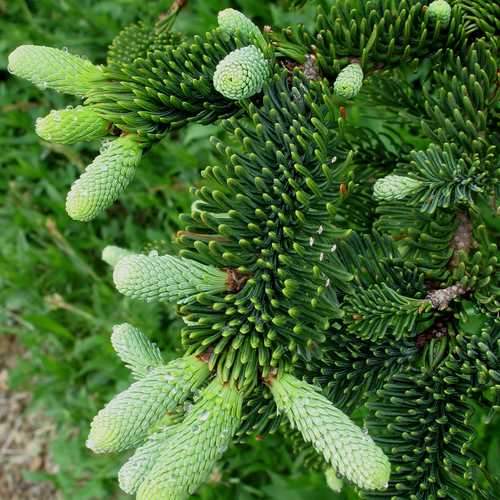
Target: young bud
x: 104, y: 179
x: 133, y: 472
x: 128, y: 418
x: 67, y: 126
x: 200, y: 440
x: 395, y: 187
x: 349, y: 450
x: 135, y: 350
x: 52, y: 68
x: 241, y: 74
x: 440, y: 11
x: 112, y: 254
x: 235, y: 23
x: 349, y: 81
x: 169, y: 278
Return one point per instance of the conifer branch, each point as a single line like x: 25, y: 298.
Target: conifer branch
x: 357, y: 173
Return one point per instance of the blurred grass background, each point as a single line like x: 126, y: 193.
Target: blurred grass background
x: 57, y: 295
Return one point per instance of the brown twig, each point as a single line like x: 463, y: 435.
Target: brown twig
x: 440, y: 299
x: 236, y: 280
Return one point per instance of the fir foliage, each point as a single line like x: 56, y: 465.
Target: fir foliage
x: 346, y: 238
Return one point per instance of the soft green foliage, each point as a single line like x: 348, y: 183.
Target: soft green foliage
x: 104, y: 179
x: 139, y: 40
x: 127, y: 419
x: 333, y: 481
x: 111, y: 254
x: 135, y: 350
x: 349, y: 450
x: 188, y: 457
x: 71, y: 125
x: 349, y: 81
x: 395, y: 187
x: 389, y: 307
x: 134, y: 471
x: 241, y: 74
x: 69, y: 367
x: 235, y: 23
x: 440, y: 11
x: 52, y: 68
x: 173, y: 279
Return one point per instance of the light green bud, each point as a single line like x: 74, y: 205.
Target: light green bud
x: 52, y: 68
x: 133, y: 472
x: 241, y: 74
x: 349, y: 450
x: 188, y: 458
x: 349, y: 82
x: 440, y: 11
x: 128, y: 418
x: 395, y: 187
x: 112, y: 254
x: 104, y: 179
x: 68, y: 126
x: 235, y: 23
x: 138, y: 353
x: 173, y: 279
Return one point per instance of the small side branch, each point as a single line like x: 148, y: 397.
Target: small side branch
x: 440, y: 299
x: 462, y: 240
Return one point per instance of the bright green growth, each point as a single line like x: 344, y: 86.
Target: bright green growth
x: 237, y: 24
x: 133, y: 472
x: 112, y: 254
x: 440, y: 11
x: 350, y: 451
x: 104, y: 179
x: 395, y: 187
x: 128, y: 418
x: 68, y: 126
x: 52, y: 68
x: 189, y: 456
x: 136, y: 351
x: 349, y: 81
x: 173, y: 279
x: 139, y: 40
x: 333, y: 481
x: 241, y: 74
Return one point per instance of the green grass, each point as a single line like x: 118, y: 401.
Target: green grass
x: 57, y: 294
